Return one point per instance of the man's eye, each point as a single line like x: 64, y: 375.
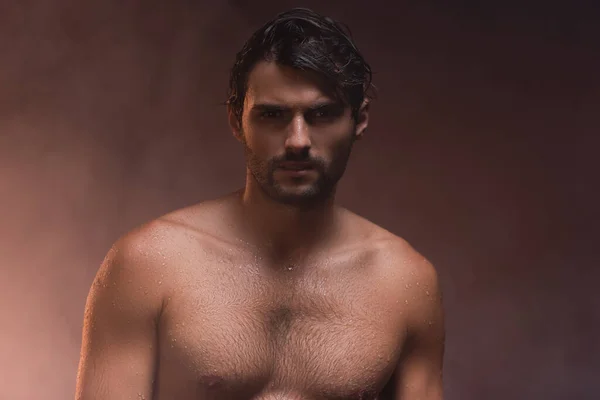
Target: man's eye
x: 270, y: 114
x: 327, y: 113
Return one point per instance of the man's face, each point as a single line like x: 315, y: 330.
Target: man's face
x: 297, y: 138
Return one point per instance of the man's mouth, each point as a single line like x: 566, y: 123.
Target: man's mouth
x: 295, y: 166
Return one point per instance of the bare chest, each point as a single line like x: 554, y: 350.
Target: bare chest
x: 245, y: 338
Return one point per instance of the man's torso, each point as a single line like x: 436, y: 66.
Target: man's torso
x: 232, y: 327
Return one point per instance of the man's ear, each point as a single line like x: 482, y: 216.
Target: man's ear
x: 234, y: 123
x: 363, y: 119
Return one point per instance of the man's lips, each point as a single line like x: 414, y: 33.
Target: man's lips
x: 295, y: 166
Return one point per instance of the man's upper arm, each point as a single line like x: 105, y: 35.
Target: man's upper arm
x: 118, y: 354
x: 419, y: 373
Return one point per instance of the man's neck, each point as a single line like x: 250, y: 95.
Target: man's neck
x: 286, y: 231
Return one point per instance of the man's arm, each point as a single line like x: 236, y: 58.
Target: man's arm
x: 118, y: 355
x: 419, y: 373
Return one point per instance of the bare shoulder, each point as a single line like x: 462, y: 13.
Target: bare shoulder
x: 144, y: 267
x: 401, y: 267
x: 409, y: 284
x: 203, y: 221
x: 404, y: 261
x: 136, y: 260
x: 387, y: 245
x: 155, y: 246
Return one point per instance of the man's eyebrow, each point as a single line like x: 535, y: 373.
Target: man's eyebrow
x: 325, y: 104
x: 279, y: 107
x: 268, y: 107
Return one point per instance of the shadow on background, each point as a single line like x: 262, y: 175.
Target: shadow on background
x: 480, y: 154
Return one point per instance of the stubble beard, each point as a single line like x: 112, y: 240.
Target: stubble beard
x: 316, y: 192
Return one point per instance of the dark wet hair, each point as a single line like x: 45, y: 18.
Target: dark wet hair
x: 302, y: 39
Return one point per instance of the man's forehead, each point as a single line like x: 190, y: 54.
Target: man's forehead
x: 270, y: 83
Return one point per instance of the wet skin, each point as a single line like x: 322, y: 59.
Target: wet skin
x: 272, y: 292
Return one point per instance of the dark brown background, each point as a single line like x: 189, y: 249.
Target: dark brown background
x: 481, y: 154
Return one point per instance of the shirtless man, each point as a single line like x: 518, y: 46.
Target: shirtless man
x: 271, y: 292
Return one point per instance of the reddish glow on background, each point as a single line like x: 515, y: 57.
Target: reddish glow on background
x: 480, y: 153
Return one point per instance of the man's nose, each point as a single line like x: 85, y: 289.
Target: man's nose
x: 298, y: 135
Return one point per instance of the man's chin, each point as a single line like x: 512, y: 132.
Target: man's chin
x: 297, y: 196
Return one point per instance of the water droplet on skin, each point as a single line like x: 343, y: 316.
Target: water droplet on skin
x: 405, y: 301
x: 427, y: 292
x: 160, y: 282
